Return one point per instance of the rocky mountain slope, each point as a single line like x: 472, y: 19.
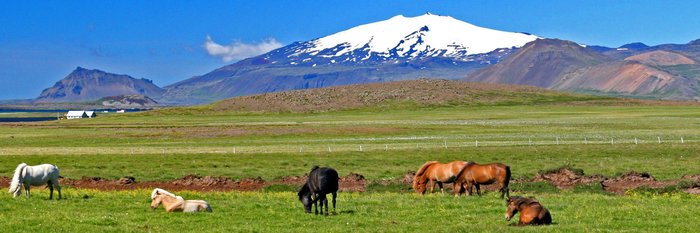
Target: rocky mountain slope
x: 564, y: 65
x: 84, y: 85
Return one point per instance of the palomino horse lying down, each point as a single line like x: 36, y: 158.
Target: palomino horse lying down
x: 437, y: 173
x: 531, y: 211
x: 25, y: 176
x: 174, y: 203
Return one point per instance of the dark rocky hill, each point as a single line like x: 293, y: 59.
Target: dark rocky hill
x: 83, y: 85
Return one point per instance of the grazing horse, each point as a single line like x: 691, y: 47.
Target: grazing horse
x: 34, y: 175
x: 475, y: 174
x: 322, y: 181
x: 437, y: 173
x: 531, y: 211
x: 174, y: 203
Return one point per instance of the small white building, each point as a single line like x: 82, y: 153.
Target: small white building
x: 76, y: 114
x: 80, y: 114
x: 90, y: 114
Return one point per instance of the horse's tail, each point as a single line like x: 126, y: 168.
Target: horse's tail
x: 505, y: 189
x: 14, y: 185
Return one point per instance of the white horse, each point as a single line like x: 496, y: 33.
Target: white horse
x: 173, y: 203
x: 34, y: 175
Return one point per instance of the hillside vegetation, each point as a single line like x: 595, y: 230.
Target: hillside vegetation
x: 410, y: 94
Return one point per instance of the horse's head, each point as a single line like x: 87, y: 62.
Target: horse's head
x: 305, y: 198
x: 156, y: 199
x: 419, y: 185
x: 512, y: 203
x: 17, y: 191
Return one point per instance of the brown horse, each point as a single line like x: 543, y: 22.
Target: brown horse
x: 437, y: 173
x: 531, y: 211
x: 475, y: 174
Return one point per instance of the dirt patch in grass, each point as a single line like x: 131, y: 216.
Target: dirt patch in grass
x: 633, y: 180
x: 352, y: 182
x: 566, y: 178
x: 562, y: 178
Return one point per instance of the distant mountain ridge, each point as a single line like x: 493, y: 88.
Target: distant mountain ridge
x: 564, y: 65
x: 83, y: 85
x: 409, y: 48
x: 400, y: 48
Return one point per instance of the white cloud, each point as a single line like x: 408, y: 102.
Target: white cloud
x: 238, y: 50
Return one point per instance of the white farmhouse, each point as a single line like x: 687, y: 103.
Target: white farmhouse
x: 80, y: 114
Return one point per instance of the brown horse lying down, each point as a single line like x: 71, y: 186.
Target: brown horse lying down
x: 437, y: 173
x: 531, y: 211
x: 475, y: 174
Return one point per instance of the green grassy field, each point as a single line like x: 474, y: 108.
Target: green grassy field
x: 128, y: 211
x: 172, y: 143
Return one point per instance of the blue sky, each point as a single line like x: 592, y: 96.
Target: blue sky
x: 42, y: 41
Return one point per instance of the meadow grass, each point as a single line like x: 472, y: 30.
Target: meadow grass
x: 169, y: 144
x: 665, y: 161
x: 128, y: 211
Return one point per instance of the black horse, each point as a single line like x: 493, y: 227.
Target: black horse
x: 321, y: 181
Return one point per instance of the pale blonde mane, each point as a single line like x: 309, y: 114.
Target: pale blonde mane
x: 163, y: 191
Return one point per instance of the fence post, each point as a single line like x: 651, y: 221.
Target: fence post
x: 446, y: 143
x: 529, y: 141
x: 585, y: 140
x: 635, y: 141
x: 234, y: 150
x: 612, y: 141
x: 557, y: 140
x: 658, y: 138
x: 386, y: 147
x: 301, y: 148
x: 329, y: 148
x: 682, y: 140
x: 477, y: 143
x: 360, y: 147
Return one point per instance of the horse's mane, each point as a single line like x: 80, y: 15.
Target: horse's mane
x: 314, y: 168
x: 523, y: 200
x: 425, y: 167
x: 303, y: 191
x: 14, y: 185
x: 465, y: 168
x: 163, y: 191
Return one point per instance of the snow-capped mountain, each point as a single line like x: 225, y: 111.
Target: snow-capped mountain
x: 422, y: 36
x: 403, y: 38
x: 399, y: 48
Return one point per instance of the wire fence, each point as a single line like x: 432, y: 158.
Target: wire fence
x: 356, y: 145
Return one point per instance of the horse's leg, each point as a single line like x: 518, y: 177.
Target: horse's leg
x: 26, y: 189
x: 334, y: 194
x: 469, y: 188
x: 325, y: 202
x: 478, y: 189
x: 504, y: 191
x: 58, y: 187
x: 441, y: 189
x: 315, y: 204
x: 50, y: 190
x: 322, y: 201
x: 457, y: 188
